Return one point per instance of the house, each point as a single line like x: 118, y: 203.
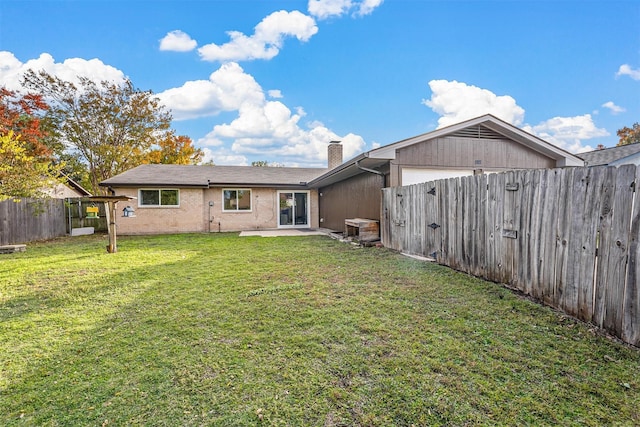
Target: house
x: 615, y: 156
x: 485, y: 144
x: 188, y: 198
x: 177, y: 199
x: 66, y: 188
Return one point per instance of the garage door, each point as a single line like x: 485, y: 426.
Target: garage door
x: 416, y: 175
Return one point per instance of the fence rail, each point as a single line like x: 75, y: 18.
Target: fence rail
x: 31, y: 219
x: 567, y: 237
x: 77, y: 215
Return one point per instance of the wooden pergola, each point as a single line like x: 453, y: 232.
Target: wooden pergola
x: 110, y: 203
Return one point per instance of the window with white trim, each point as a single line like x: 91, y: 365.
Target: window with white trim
x: 159, y: 197
x: 236, y: 200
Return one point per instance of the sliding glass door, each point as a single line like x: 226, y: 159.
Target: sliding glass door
x: 293, y: 209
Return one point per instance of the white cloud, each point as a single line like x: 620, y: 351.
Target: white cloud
x: 457, y: 101
x: 12, y: 70
x: 275, y: 93
x: 266, y: 41
x: 626, y: 70
x: 366, y: 7
x: 177, y: 41
x: 227, y: 89
x: 615, y: 109
x: 223, y: 157
x: 271, y: 130
x: 264, y: 127
x: 323, y: 9
x: 568, y: 133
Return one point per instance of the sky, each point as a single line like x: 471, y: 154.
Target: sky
x: 254, y: 80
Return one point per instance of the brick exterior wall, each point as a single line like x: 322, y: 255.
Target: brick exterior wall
x: 187, y: 218
x: 195, y: 215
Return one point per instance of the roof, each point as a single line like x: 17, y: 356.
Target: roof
x: 71, y: 183
x: 610, y: 155
x: 492, y: 123
x: 487, y: 123
x: 205, y: 176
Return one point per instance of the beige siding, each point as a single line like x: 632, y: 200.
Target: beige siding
x: 463, y: 153
x: 467, y: 154
x: 195, y: 215
x: 61, y: 191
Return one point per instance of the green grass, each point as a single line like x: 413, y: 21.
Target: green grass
x: 220, y: 330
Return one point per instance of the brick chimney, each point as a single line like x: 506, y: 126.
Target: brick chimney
x: 335, y: 154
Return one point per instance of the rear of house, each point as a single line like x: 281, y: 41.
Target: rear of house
x: 180, y: 199
x: 184, y: 199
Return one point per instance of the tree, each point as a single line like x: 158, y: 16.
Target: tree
x: 26, y: 116
x: 629, y: 135
x: 26, y: 151
x: 20, y: 114
x: 22, y: 174
x: 174, y: 149
x: 110, y: 127
x: 265, y: 163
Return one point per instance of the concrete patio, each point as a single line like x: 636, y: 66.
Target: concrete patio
x: 286, y: 232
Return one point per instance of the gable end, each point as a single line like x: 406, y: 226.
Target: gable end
x: 476, y: 132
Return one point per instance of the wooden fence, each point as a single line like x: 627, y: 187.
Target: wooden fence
x: 567, y: 237
x: 77, y: 215
x: 31, y: 219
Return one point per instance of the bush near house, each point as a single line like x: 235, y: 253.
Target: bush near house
x: 220, y: 330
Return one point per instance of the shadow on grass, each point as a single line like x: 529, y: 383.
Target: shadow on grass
x: 227, y: 331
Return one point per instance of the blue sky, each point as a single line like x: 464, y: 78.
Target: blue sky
x: 277, y: 80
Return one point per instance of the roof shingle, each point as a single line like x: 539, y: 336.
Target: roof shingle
x: 609, y: 155
x: 205, y: 176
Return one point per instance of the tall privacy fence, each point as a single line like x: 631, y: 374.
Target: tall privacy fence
x: 567, y: 237
x: 41, y: 219
x: 31, y: 219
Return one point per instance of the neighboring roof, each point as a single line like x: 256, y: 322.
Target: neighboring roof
x: 474, y: 127
x: 205, y: 176
x: 71, y: 183
x: 610, y: 155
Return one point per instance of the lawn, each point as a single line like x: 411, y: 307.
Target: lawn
x: 220, y: 330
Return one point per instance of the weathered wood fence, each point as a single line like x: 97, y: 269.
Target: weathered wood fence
x: 77, y: 215
x: 31, y: 219
x: 567, y: 237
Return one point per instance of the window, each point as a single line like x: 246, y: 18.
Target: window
x: 159, y: 198
x: 236, y: 200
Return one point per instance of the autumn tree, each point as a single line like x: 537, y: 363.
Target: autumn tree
x: 23, y: 174
x: 111, y: 127
x: 174, y: 149
x: 629, y: 135
x: 26, y: 149
x: 21, y: 114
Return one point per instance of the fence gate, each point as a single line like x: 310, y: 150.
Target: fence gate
x: 76, y: 215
